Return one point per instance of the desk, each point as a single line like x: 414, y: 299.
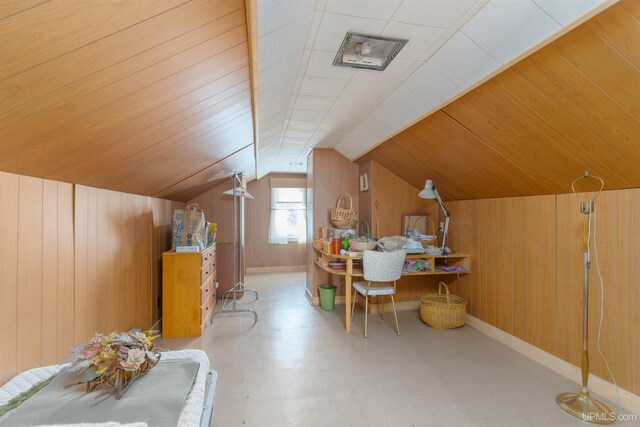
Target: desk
x: 435, y: 262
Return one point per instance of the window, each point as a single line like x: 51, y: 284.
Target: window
x: 288, y: 216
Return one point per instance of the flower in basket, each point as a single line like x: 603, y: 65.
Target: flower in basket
x: 114, y: 361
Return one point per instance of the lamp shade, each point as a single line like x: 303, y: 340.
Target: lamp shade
x: 428, y: 192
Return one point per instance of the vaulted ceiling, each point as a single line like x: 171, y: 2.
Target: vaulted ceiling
x: 154, y: 97
x: 572, y: 106
x: 149, y: 96
x: 306, y: 102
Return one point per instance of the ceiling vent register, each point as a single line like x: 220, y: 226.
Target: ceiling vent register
x: 368, y: 52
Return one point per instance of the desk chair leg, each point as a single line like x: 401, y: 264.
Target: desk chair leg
x: 366, y: 314
x: 353, y: 304
x: 382, y: 307
x: 395, y: 315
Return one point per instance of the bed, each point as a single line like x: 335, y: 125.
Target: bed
x: 198, y: 408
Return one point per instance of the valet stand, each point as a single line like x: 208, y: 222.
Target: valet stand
x: 230, y: 301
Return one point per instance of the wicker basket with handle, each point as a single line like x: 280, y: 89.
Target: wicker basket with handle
x: 443, y: 311
x: 344, y: 217
x: 363, y: 246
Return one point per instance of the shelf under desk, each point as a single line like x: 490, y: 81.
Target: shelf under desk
x: 463, y: 261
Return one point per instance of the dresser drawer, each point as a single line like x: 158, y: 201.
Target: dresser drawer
x: 206, y: 290
x: 206, y: 273
x: 206, y: 309
x: 208, y: 254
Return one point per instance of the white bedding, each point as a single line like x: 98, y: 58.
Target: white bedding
x: 191, y: 413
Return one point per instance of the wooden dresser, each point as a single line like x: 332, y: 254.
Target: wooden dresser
x: 188, y: 292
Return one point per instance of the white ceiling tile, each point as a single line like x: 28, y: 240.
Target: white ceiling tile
x: 273, y: 14
x: 295, y: 133
x: 308, y: 115
x: 567, y: 11
x: 357, y: 141
x: 376, y: 127
x: 431, y: 86
x: 315, y: 103
x: 322, y: 87
x: 313, y: 29
x: 306, y: 54
x: 377, y: 9
x: 321, y: 65
x: 347, y: 105
x: 462, y: 61
x: 435, y: 13
x: 394, y: 72
x: 390, y: 116
x: 407, y: 103
x: 283, y: 42
x: 334, y: 27
x: 421, y: 39
x: 299, y: 125
x: 295, y: 141
x: 366, y: 90
x: 507, y: 28
x: 282, y: 72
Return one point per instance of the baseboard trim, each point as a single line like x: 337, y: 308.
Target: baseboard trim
x: 277, y: 269
x: 630, y: 401
x: 309, y: 297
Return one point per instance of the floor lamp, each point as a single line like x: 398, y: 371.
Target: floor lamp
x: 430, y: 192
x: 581, y: 404
x: 230, y: 301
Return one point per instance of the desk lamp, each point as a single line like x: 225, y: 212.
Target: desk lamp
x: 430, y: 192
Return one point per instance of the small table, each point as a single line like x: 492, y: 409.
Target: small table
x: 436, y: 262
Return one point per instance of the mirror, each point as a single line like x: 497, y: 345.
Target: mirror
x: 417, y: 221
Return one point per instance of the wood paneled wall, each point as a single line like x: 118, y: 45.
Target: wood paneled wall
x: 162, y: 234
x: 112, y: 261
x: 258, y: 250
x: 527, y: 274
x: 36, y: 273
x: 218, y: 208
x: 74, y: 260
x: 329, y: 174
x: 136, y: 96
x: 571, y: 106
x: 388, y: 199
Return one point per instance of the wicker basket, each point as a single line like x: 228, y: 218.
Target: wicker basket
x: 443, y: 311
x: 344, y: 217
x: 363, y: 246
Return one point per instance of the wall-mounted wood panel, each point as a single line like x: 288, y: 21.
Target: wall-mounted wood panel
x: 117, y: 242
x: 571, y: 106
x: 527, y: 267
x: 96, y: 94
x: 329, y: 174
x: 74, y: 260
x: 36, y: 265
x: 259, y: 253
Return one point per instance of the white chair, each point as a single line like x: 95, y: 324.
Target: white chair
x: 379, y: 267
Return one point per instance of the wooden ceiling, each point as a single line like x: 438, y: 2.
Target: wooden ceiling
x: 572, y: 106
x: 145, y: 96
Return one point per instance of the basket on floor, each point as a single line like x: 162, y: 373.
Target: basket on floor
x: 344, y: 217
x: 443, y: 311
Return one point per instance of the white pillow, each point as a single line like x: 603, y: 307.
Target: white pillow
x: 109, y: 424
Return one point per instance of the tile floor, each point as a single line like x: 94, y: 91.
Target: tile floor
x: 298, y: 367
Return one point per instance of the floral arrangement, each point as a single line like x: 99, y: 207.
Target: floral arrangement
x: 114, y: 361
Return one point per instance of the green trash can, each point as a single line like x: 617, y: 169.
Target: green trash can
x: 327, y: 297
